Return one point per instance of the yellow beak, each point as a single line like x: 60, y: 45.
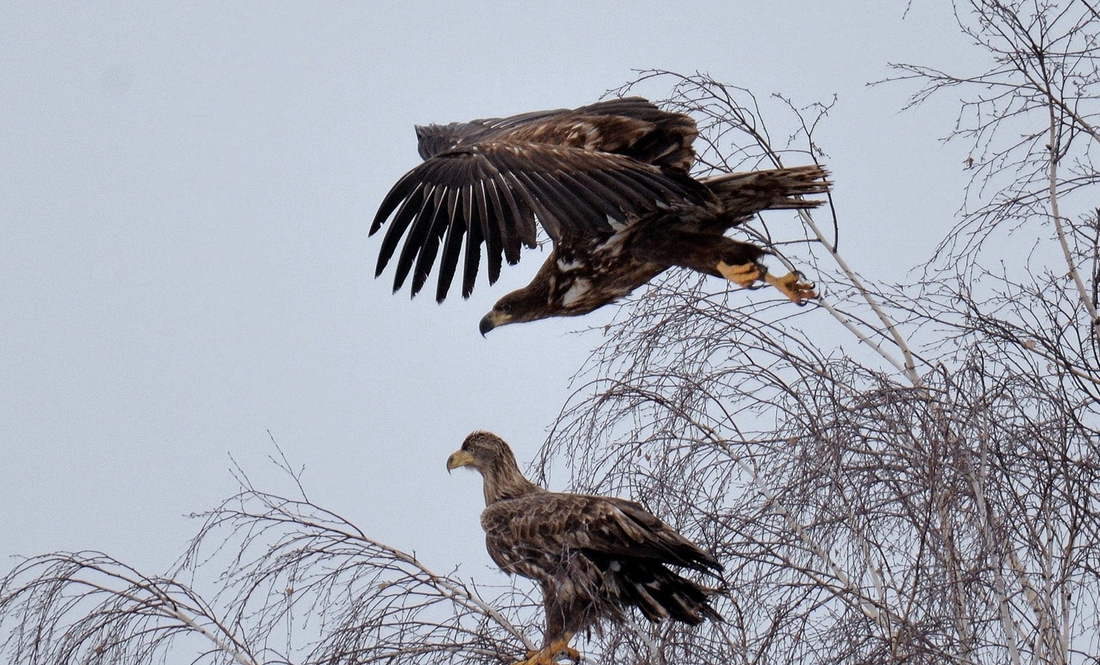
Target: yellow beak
x: 459, y: 458
x: 492, y: 320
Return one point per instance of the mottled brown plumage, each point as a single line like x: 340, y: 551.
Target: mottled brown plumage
x: 593, y: 556
x: 608, y: 183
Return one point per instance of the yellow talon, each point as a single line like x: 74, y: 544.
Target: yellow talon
x: 792, y: 287
x: 548, y: 655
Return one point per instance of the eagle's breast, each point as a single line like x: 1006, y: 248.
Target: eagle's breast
x: 598, y: 271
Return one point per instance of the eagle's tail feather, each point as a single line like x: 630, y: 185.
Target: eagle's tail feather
x: 745, y: 194
x: 659, y: 593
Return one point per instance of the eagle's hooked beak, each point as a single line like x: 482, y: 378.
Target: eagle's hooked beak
x: 459, y: 458
x: 492, y: 320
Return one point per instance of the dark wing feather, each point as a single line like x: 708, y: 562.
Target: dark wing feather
x: 400, y: 193
x: 590, y: 189
x: 631, y: 126
x: 436, y: 139
x: 405, y: 214
x: 630, y: 107
x: 553, y: 524
x: 474, y: 237
x: 517, y: 214
x: 539, y: 197
x: 411, y: 209
x: 571, y: 192
x: 418, y: 236
x: 582, y: 199
x: 629, y: 527
x: 623, y: 529
x: 452, y: 246
x: 490, y: 228
x: 422, y: 235
x: 442, y: 225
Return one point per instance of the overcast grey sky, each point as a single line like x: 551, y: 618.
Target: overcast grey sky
x: 185, y: 193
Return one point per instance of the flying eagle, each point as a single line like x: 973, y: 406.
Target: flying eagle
x: 593, y: 556
x: 609, y: 185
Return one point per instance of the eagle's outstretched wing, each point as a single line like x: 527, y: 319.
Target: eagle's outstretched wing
x: 492, y: 192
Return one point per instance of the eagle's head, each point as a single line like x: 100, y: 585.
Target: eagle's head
x: 501, y: 314
x: 489, y: 454
x: 482, y: 451
x: 519, y: 306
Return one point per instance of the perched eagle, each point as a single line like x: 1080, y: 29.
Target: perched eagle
x: 608, y: 183
x: 593, y: 556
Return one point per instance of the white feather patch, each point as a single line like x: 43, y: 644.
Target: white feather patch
x: 577, y: 291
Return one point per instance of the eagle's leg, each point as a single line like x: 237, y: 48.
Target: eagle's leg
x: 549, y: 654
x: 742, y: 274
x: 747, y: 274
